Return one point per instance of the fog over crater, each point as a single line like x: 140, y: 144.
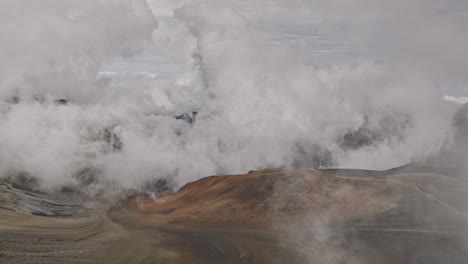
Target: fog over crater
x: 126, y: 92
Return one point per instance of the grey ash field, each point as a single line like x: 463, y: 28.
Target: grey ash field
x: 405, y: 215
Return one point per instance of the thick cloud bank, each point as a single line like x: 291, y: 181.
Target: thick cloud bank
x: 54, y: 48
x: 244, y: 94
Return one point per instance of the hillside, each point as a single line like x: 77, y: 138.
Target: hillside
x: 298, y: 216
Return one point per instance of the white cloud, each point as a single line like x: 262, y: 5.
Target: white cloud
x: 259, y: 105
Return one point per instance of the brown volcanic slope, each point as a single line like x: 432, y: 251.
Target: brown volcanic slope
x: 263, y: 200
x: 300, y: 216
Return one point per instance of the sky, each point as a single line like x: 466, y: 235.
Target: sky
x: 196, y: 88
x: 340, y: 31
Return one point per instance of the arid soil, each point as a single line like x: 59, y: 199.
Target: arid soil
x: 298, y: 216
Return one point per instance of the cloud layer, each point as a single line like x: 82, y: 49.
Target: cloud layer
x: 239, y: 101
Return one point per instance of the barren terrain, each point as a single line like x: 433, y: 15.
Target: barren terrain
x: 298, y: 216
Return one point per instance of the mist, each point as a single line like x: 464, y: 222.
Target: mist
x: 240, y: 85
